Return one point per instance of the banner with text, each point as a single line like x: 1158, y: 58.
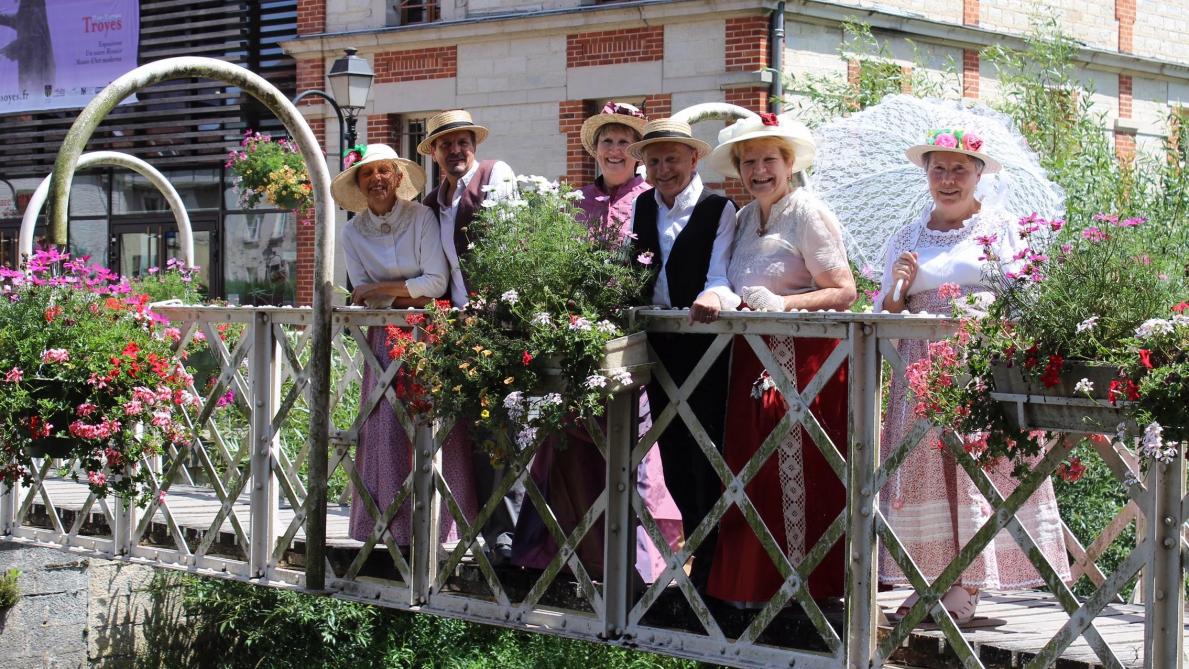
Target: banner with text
x: 57, y: 54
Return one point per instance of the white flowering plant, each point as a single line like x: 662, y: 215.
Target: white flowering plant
x: 88, y: 373
x: 523, y: 358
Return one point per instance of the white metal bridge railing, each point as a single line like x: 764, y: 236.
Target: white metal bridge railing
x: 233, y: 504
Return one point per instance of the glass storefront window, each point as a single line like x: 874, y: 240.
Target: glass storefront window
x: 260, y: 258
x: 202, y: 253
x: 88, y: 195
x: 88, y: 237
x: 133, y: 194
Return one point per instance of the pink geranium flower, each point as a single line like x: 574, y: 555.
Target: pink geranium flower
x: 14, y: 375
x: 58, y: 355
x: 949, y: 291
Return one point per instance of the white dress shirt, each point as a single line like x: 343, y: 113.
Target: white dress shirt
x: 670, y: 223
x: 400, y: 245
x: 503, y: 187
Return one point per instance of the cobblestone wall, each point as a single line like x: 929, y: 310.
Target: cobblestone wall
x: 78, y: 611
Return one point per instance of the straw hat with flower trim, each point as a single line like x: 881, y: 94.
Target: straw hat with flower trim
x: 782, y: 127
x: 667, y: 130
x: 346, y: 191
x: 449, y: 121
x: 613, y: 112
x: 953, y: 140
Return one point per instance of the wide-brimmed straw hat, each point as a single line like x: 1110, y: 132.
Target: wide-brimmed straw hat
x: 953, y: 140
x: 667, y: 130
x: 449, y: 121
x: 782, y: 127
x: 346, y: 191
x: 613, y: 112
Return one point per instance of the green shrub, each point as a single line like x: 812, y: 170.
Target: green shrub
x: 10, y: 590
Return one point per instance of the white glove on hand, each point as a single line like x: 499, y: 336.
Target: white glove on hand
x: 762, y: 299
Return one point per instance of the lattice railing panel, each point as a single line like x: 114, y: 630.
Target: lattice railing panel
x: 232, y: 502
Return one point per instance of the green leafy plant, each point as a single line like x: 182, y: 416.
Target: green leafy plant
x: 273, y: 171
x: 820, y: 98
x: 547, y: 295
x: 10, y: 589
x: 89, y: 368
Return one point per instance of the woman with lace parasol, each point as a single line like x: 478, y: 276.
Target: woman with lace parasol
x: 930, y: 501
x: 788, y: 254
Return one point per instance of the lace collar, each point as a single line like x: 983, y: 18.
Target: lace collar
x: 987, y: 216
x: 380, y: 225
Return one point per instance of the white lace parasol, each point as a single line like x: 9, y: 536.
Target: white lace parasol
x: 862, y: 173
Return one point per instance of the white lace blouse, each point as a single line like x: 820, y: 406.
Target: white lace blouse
x: 803, y: 238
x: 952, y: 256
x: 403, y: 244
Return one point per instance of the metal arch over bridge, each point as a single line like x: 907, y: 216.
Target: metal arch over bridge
x: 246, y: 500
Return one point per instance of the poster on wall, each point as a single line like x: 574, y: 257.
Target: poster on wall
x: 57, y: 54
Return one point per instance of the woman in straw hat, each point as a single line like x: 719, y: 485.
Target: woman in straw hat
x: 574, y: 477
x: 606, y: 136
x: 930, y: 501
x: 788, y: 255
x: 394, y: 258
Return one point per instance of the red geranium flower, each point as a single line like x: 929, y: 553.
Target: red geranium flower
x: 1180, y: 308
x: 526, y: 358
x: 1145, y: 358
x: 1052, y: 373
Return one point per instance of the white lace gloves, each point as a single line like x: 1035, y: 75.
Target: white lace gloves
x: 762, y: 299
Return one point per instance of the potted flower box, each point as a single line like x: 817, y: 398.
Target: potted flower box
x: 1029, y: 405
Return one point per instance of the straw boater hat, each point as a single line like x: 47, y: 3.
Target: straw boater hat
x: 781, y: 127
x: 346, y: 191
x: 613, y: 112
x: 953, y: 140
x: 449, y: 121
x: 667, y: 130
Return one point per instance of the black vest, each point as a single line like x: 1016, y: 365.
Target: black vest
x: 689, y: 259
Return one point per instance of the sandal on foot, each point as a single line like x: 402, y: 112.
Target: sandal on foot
x: 961, y: 604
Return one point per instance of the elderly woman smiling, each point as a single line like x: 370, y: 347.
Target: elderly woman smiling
x: 930, y: 501
x: 394, y: 258
x: 788, y: 254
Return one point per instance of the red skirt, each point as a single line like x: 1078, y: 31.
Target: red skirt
x: 742, y: 571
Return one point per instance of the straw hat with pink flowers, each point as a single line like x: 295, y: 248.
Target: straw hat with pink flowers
x: 953, y: 140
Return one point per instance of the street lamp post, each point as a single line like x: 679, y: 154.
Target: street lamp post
x: 351, y: 83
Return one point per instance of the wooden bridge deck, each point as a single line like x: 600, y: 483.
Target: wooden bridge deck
x: 1009, y: 629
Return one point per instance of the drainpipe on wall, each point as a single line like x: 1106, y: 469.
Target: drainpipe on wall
x: 776, y: 42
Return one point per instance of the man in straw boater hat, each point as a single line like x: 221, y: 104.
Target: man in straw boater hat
x: 686, y: 232
x: 451, y: 139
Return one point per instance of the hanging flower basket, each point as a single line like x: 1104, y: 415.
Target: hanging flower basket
x: 1029, y: 405
x: 65, y: 395
x: 625, y: 363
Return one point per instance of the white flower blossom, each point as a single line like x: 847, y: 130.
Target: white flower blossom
x: 1121, y: 432
x: 575, y: 195
x: 1087, y: 324
x: 510, y: 296
x: 1152, y: 327
x: 526, y: 436
x: 551, y: 398
x: 542, y: 318
x: 490, y: 203
x: 487, y: 188
x: 596, y: 381
x: 514, y: 405
x: 621, y: 376
x: 607, y: 326
x: 516, y: 202
x: 580, y: 323
x: 1084, y: 386
x: 1152, y: 444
